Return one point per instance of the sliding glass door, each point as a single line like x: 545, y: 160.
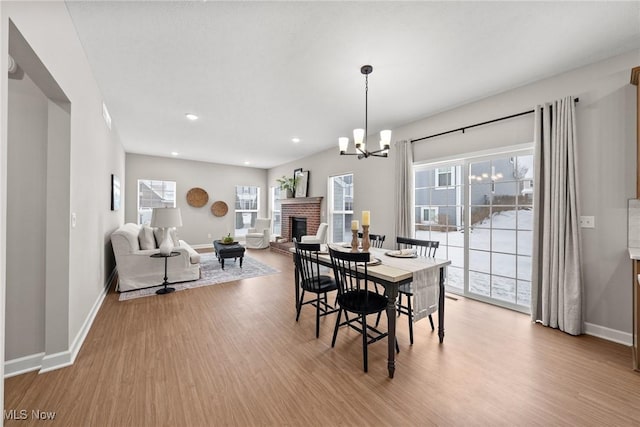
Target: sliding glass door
x: 439, y: 215
x: 481, y: 211
x: 500, y: 235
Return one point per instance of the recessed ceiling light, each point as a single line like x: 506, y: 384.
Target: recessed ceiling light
x: 174, y: 153
x: 191, y: 116
x: 296, y: 140
x: 247, y: 162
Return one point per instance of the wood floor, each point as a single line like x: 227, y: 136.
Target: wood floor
x: 232, y: 354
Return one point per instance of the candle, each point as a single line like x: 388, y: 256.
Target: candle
x: 355, y: 225
x: 366, y: 218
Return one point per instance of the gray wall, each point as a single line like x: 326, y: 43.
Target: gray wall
x: 219, y: 181
x: 81, y: 179
x: 606, y: 116
x: 372, y: 181
x: 26, y: 213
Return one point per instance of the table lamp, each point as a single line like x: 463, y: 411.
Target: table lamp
x: 166, y: 218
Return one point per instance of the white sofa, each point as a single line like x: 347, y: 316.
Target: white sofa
x: 136, y: 268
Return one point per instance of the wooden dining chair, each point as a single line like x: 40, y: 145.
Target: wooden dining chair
x: 376, y: 239
x: 306, y: 259
x: 354, y: 296
x: 424, y: 248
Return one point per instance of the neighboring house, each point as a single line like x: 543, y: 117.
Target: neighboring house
x: 439, y: 195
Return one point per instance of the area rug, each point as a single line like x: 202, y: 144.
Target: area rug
x: 212, y: 274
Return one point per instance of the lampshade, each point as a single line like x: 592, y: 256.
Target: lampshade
x: 358, y: 137
x: 166, y: 217
x: 385, y: 139
x: 343, y: 143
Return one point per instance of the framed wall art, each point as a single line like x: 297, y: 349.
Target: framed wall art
x: 115, y: 192
x: 302, y: 186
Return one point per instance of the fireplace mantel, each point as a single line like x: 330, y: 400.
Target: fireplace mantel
x: 301, y: 200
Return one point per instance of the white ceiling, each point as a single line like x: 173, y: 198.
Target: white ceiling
x: 260, y: 73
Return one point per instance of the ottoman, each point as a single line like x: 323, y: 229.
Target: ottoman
x: 234, y: 250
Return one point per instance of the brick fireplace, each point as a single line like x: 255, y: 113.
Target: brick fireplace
x: 301, y: 207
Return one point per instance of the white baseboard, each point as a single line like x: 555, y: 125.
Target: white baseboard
x: 55, y: 361
x: 65, y: 358
x: 22, y: 365
x: 614, y: 335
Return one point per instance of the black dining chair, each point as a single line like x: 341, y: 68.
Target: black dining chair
x: 376, y: 239
x: 306, y: 259
x: 351, y: 273
x: 424, y: 248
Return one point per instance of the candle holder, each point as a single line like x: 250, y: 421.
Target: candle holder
x: 354, y: 241
x: 365, y: 238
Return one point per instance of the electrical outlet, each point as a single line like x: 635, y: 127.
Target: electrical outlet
x: 587, y: 222
x: 73, y: 220
x: 208, y: 235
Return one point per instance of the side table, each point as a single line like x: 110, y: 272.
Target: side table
x: 165, y: 290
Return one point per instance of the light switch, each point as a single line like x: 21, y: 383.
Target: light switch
x: 587, y: 222
x: 73, y: 220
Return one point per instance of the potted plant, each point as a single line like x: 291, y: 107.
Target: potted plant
x: 288, y: 185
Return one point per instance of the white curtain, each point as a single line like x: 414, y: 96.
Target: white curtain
x: 404, y: 188
x: 556, y: 288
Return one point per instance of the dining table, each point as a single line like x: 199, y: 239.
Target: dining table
x: 391, y: 272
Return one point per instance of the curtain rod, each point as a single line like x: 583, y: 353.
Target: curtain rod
x: 478, y: 124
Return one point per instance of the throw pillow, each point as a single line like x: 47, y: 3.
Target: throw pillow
x: 147, y: 241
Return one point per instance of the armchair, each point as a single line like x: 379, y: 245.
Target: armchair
x: 259, y: 236
x: 320, y: 237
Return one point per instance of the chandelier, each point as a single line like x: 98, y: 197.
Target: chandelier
x: 360, y: 135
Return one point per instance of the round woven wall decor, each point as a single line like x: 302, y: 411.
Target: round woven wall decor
x: 197, y: 197
x: 219, y: 208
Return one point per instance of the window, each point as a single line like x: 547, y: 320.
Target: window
x: 444, y: 177
x: 247, y: 206
x: 276, y: 210
x: 429, y: 215
x: 340, y: 207
x: 154, y: 194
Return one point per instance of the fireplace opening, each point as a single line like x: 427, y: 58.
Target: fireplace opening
x: 298, y: 227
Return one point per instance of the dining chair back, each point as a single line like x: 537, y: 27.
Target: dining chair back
x: 376, y: 239
x: 424, y: 248
x: 351, y: 273
x: 311, y: 280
